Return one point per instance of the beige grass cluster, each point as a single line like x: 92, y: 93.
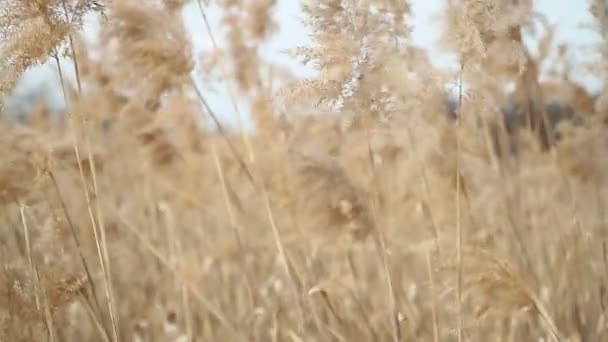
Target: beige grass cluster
x: 355, y: 211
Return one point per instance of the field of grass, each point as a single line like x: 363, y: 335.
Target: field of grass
x: 357, y: 209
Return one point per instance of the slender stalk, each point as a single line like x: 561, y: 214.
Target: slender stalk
x: 186, y: 304
x: 233, y: 222
x: 48, y: 317
x: 89, y: 308
x: 192, y: 288
x: 251, y: 158
x: 281, y: 250
x: 98, y: 231
x: 433, y: 299
x: 380, y: 240
x: 75, y: 236
x: 231, y: 92
x: 458, y: 218
x: 222, y: 131
x: 88, y: 199
x: 260, y: 189
x: 28, y: 249
x: 425, y: 183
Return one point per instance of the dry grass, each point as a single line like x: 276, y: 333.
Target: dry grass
x: 357, y: 210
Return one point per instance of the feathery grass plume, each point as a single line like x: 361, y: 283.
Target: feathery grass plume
x: 18, y: 305
x: 477, y: 30
x: 599, y: 10
x: 65, y: 291
x: 32, y: 30
x: 481, y: 34
x: 343, y: 209
x: 588, y: 166
x: 494, y: 289
x: 149, y: 48
x: 259, y: 24
x: 245, y: 29
x: 149, y: 44
x: 351, y: 44
x: 23, y: 172
x: 486, y: 35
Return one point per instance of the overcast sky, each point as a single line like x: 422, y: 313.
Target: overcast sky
x: 571, y: 15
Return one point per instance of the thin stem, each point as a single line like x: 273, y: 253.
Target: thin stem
x: 88, y: 199
x: 75, y: 235
x: 433, y: 299
x: 380, y: 240
x: 89, y: 308
x: 48, y: 317
x: 194, y: 289
x: 231, y: 93
x: 425, y: 183
x: 222, y: 131
x: 260, y: 189
x: 102, y: 249
x: 458, y: 214
x: 233, y: 221
x: 28, y: 249
x: 251, y: 158
x: 281, y: 250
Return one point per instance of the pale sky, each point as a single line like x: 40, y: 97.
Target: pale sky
x: 570, y: 15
